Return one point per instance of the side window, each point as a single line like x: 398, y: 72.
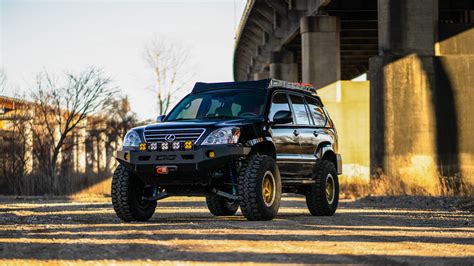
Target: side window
x: 301, y: 115
x: 317, y: 112
x: 279, y: 103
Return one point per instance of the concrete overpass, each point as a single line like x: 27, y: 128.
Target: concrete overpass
x: 419, y: 56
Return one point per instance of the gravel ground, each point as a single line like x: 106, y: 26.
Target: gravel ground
x: 372, y: 230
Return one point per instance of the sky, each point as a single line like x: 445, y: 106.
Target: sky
x: 59, y: 36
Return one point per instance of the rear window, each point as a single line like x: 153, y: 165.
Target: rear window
x: 299, y: 107
x: 317, y: 112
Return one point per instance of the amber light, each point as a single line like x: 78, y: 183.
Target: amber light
x: 142, y: 146
x: 126, y: 156
x: 211, y: 154
x: 188, y: 145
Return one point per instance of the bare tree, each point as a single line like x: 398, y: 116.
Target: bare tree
x: 170, y: 65
x: 120, y: 117
x: 15, y: 143
x: 14, y: 151
x: 61, y: 108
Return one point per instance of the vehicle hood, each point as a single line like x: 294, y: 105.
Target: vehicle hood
x: 202, y: 124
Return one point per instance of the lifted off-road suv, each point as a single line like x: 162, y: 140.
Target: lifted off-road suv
x: 238, y: 144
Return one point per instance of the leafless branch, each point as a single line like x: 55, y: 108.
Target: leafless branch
x: 63, y: 106
x: 169, y: 63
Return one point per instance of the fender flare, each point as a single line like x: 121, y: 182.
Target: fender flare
x: 325, y: 150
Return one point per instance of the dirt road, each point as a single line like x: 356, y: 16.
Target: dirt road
x: 400, y: 230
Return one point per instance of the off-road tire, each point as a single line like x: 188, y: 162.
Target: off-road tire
x: 220, y: 206
x: 251, y: 199
x: 126, y: 189
x: 316, y: 199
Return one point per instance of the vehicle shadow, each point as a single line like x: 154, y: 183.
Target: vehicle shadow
x: 182, y: 229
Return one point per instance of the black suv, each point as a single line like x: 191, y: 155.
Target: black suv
x: 238, y: 144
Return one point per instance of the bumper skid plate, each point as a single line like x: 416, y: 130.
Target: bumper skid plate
x: 188, y: 167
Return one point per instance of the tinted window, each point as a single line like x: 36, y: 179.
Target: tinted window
x: 220, y: 104
x: 300, y: 110
x: 279, y: 102
x: 317, y: 112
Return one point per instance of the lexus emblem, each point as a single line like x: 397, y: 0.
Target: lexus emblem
x: 170, y: 137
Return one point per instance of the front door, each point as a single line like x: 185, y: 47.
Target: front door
x: 285, y: 137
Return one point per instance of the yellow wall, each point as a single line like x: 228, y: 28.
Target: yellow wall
x: 348, y: 105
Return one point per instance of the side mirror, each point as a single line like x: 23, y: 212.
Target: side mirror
x: 160, y: 118
x: 283, y: 117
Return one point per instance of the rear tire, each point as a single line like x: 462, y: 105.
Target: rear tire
x: 220, y: 206
x: 322, y: 197
x: 127, y: 193
x: 259, y: 188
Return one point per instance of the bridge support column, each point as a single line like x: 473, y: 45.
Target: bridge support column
x: 283, y: 66
x: 261, y: 75
x: 320, y: 44
x: 419, y: 125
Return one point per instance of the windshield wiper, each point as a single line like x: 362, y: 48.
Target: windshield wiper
x: 221, y: 117
x: 178, y: 119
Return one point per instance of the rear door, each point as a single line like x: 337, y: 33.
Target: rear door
x: 305, y: 131
x: 286, y: 141
x: 321, y: 122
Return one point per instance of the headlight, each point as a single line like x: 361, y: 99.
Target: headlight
x: 225, y: 135
x: 131, y: 139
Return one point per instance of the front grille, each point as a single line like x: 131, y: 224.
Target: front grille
x: 159, y: 135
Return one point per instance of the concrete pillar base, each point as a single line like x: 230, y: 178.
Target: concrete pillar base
x: 422, y: 123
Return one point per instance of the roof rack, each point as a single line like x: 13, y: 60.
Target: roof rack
x: 276, y: 83
x: 257, y: 84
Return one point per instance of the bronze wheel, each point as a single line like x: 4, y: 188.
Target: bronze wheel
x: 268, y: 188
x: 330, y: 187
x: 322, y: 197
x: 259, y: 188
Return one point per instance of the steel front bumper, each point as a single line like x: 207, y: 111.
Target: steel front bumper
x: 187, y: 167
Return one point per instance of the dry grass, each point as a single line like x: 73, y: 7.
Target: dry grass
x: 102, y: 188
x: 434, y: 186
x: 355, y: 187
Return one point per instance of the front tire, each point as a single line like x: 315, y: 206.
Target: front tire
x: 259, y: 188
x: 127, y: 196
x: 322, y: 197
x: 220, y: 206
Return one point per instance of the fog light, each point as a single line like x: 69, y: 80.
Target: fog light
x: 164, y: 146
x: 126, y: 156
x: 162, y: 170
x: 188, y: 145
x: 176, y: 145
x: 153, y: 146
x: 142, y: 146
x: 211, y: 154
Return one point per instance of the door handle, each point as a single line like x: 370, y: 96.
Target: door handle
x: 315, y: 133
x: 296, y: 132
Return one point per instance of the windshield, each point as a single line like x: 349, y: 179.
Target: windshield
x: 220, y: 104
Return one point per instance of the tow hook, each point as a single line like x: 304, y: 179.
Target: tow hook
x: 165, y: 169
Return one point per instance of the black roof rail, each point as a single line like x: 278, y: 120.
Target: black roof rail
x: 256, y: 84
